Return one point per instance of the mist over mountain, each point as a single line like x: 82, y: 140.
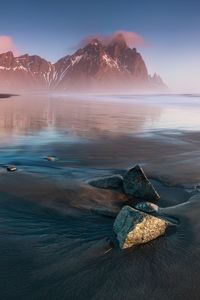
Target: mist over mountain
x: 97, y: 66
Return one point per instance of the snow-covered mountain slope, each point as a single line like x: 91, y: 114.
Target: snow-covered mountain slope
x: 95, y: 66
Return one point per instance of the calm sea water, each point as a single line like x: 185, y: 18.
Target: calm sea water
x: 52, y: 245
x: 38, y: 120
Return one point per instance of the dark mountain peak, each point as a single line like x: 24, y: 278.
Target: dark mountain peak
x: 7, y: 54
x: 93, y: 46
x: 156, y: 76
x: 95, y: 42
x: 30, y: 57
x: 6, y: 59
x: 157, y: 79
x: 26, y: 55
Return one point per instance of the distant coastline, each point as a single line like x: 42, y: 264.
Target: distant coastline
x: 7, y: 95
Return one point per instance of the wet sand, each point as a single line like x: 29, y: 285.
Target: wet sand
x: 53, y: 244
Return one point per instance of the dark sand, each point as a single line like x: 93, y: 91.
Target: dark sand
x: 52, y: 243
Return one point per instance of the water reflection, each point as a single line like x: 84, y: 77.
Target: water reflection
x: 52, y: 116
x: 46, y: 119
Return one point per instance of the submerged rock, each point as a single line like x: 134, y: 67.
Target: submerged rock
x: 134, y: 227
x: 112, y: 182
x: 137, y: 185
x: 11, y: 168
x: 147, y: 207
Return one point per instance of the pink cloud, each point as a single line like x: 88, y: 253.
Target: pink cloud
x: 132, y: 38
x: 6, y: 44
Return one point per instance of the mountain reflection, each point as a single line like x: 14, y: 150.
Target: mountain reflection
x: 31, y: 115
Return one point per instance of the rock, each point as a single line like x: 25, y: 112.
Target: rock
x: 50, y: 158
x: 111, y: 182
x: 147, y: 207
x: 11, y: 168
x: 137, y: 185
x: 134, y: 227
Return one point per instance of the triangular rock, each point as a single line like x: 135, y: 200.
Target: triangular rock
x: 137, y: 185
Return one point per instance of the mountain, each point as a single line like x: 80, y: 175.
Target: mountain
x: 24, y: 72
x: 95, y: 67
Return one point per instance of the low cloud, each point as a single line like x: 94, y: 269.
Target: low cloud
x: 6, y: 44
x: 132, y: 39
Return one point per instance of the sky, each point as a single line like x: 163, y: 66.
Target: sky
x: 52, y: 29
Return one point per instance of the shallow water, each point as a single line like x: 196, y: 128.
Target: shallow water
x: 52, y: 244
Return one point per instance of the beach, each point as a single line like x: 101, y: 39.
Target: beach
x: 53, y: 243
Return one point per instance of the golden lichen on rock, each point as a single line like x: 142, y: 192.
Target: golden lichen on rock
x: 134, y: 227
x: 149, y: 229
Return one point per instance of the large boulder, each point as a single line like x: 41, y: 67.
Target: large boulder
x: 134, y: 227
x: 137, y: 185
x: 147, y: 207
x: 111, y: 182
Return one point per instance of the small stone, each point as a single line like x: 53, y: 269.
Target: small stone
x: 134, y: 227
x: 50, y: 158
x: 11, y: 168
x: 111, y: 182
x: 137, y: 185
x: 147, y: 207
